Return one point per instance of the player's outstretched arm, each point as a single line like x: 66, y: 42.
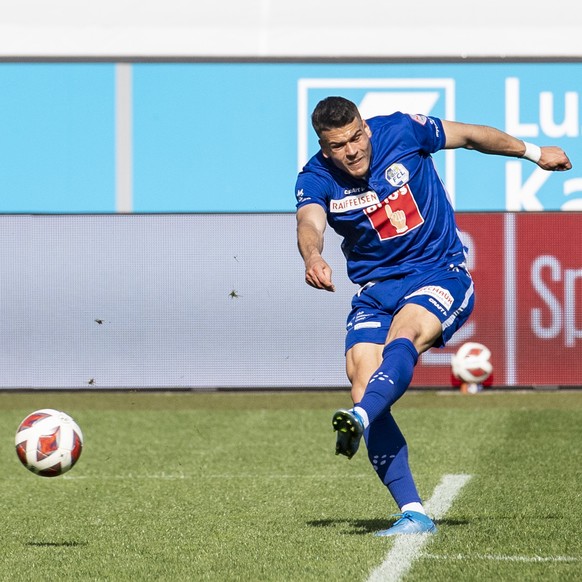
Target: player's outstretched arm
x: 490, y: 140
x: 311, y: 223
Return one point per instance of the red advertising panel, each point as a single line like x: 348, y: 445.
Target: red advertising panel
x: 527, y: 270
x: 549, y: 298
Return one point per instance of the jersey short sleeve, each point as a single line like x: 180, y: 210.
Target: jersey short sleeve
x: 312, y: 188
x: 428, y: 132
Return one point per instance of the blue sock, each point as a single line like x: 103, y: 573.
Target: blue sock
x: 391, y: 379
x: 388, y: 453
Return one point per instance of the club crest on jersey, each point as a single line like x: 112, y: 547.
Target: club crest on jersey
x: 397, y: 175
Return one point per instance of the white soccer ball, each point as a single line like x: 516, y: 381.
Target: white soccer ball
x: 48, y: 442
x: 472, y: 363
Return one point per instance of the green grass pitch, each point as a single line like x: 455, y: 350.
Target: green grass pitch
x: 245, y: 487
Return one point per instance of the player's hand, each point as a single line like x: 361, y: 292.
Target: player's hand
x: 554, y: 159
x: 398, y: 221
x: 318, y: 274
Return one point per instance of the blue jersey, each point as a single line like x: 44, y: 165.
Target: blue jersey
x: 399, y: 220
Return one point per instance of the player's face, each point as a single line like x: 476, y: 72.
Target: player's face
x: 349, y: 147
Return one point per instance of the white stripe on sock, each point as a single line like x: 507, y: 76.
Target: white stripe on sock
x: 414, y: 506
x: 363, y: 415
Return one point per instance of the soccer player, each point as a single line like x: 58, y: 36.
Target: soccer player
x: 375, y: 183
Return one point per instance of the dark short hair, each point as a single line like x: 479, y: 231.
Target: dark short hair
x: 332, y: 113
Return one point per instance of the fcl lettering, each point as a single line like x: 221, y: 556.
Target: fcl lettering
x: 561, y: 312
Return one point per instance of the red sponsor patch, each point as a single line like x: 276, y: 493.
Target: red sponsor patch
x: 396, y: 215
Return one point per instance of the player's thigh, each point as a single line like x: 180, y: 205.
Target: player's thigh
x: 362, y: 360
x: 447, y: 294
x: 417, y: 324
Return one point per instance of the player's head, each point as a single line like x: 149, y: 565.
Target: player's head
x: 344, y: 136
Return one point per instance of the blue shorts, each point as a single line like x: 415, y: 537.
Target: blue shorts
x: 448, y: 293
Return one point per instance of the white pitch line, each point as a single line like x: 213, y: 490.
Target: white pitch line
x: 498, y: 558
x: 408, y: 548
x: 444, y: 495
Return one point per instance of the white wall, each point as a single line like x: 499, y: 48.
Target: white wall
x: 300, y: 28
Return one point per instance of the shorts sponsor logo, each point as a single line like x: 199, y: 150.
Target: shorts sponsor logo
x: 367, y: 324
x: 441, y: 294
x: 438, y: 306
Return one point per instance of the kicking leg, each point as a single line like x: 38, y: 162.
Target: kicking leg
x: 413, y: 331
x: 379, y: 376
x: 386, y: 386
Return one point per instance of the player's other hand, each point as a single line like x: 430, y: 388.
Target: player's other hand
x: 554, y: 159
x: 318, y: 274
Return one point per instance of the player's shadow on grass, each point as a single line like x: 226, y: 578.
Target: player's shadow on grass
x: 368, y: 526
x: 351, y: 526
x: 65, y: 544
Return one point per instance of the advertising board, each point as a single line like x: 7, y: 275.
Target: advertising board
x: 206, y: 301
x: 231, y: 137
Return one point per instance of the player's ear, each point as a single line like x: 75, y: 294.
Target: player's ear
x: 323, y: 147
x: 367, y: 129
